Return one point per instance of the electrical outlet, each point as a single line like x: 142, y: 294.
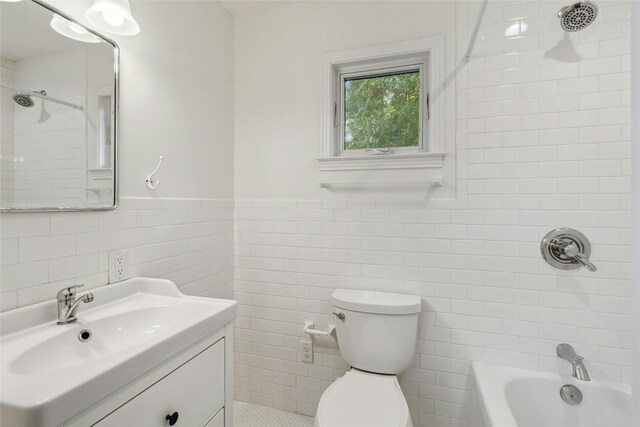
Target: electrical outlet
x: 306, y: 351
x: 118, y: 266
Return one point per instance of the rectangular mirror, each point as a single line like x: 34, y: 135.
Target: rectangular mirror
x: 59, y: 93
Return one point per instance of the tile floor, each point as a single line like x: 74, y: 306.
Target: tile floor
x: 250, y: 415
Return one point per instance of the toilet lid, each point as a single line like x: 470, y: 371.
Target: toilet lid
x: 363, y: 399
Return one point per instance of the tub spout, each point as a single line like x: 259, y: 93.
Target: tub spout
x: 566, y: 352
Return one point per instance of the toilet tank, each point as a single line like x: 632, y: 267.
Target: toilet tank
x: 379, y: 330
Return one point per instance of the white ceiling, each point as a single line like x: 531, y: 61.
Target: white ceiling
x: 237, y: 7
x: 26, y: 32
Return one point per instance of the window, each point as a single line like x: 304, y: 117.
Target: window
x: 103, y: 125
x: 380, y: 108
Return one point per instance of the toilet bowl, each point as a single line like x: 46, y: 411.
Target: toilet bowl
x: 377, y: 335
x: 363, y: 399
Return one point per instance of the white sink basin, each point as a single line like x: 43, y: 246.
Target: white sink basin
x: 49, y: 375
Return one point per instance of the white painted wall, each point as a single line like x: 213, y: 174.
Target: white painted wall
x: 279, y: 65
x: 176, y: 98
x: 543, y: 131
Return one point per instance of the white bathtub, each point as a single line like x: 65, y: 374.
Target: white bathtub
x: 509, y: 397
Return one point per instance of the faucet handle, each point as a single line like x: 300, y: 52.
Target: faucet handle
x: 572, y: 251
x: 68, y: 292
x: 566, y: 249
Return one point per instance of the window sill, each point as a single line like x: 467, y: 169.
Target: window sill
x: 379, y: 162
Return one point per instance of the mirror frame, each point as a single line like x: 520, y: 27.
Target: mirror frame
x: 116, y: 102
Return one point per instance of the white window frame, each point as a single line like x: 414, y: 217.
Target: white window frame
x: 428, y: 55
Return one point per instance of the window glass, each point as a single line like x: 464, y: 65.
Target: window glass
x: 104, y: 131
x: 382, y: 111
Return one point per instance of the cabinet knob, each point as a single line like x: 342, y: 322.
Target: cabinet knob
x: 172, y: 418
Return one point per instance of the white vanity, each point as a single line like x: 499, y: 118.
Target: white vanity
x: 140, y: 354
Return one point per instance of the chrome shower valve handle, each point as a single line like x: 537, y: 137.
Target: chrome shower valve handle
x: 567, y: 249
x: 571, y: 250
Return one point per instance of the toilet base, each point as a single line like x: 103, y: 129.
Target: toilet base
x: 363, y: 399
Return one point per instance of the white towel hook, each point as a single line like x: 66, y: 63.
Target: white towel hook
x: 149, y: 182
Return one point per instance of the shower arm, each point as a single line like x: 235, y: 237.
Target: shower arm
x: 45, y: 97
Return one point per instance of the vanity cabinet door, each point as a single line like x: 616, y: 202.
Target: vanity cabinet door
x: 188, y: 397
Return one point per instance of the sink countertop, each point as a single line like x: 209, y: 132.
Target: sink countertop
x: 49, y: 376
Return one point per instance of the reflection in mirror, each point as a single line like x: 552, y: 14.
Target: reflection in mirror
x: 58, y: 121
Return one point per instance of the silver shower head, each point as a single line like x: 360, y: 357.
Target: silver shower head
x: 578, y: 16
x: 23, y: 100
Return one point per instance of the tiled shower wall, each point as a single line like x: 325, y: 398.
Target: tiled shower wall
x: 50, y: 154
x: 7, y: 146
x: 543, y: 126
x: 48, y: 146
x: 188, y: 241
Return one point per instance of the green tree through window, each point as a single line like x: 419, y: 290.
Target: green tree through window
x: 382, y: 111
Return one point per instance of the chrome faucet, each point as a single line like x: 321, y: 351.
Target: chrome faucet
x: 566, y: 352
x: 68, y: 305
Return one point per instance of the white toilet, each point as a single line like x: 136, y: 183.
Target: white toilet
x: 377, y: 337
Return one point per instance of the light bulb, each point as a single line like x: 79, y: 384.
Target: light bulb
x: 72, y: 30
x: 113, y: 16
x: 113, y: 19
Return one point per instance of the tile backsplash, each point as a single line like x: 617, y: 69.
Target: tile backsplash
x: 189, y: 241
x: 486, y: 294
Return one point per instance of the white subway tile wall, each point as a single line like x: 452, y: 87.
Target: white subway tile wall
x: 50, y: 152
x: 543, y: 123
x: 188, y: 241
x: 50, y: 158
x: 7, y: 146
x: 47, y: 148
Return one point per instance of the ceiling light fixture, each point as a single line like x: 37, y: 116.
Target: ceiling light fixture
x: 72, y: 30
x: 113, y: 16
